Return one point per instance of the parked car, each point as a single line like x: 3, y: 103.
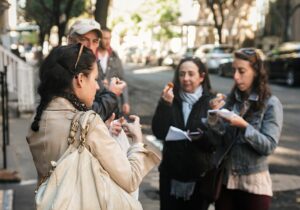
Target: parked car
x: 173, y: 59
x: 284, y: 62
x: 225, y: 68
x: 152, y: 57
x: 214, y: 55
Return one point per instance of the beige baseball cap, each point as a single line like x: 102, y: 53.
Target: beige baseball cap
x: 83, y: 26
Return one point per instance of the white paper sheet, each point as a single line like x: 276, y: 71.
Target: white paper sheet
x: 225, y: 113
x: 176, y: 134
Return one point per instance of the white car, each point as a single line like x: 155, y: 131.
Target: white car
x: 214, y: 55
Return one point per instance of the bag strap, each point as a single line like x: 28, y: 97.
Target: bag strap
x: 80, y: 120
x: 74, y: 128
x: 84, y: 122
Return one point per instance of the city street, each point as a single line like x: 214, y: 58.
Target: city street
x: 141, y: 42
x: 145, y: 85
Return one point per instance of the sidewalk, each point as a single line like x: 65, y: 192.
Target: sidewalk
x: 286, y: 187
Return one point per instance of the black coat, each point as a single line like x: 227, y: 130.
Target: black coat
x: 184, y: 160
x: 105, y: 103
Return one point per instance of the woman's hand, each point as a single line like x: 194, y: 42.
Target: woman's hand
x: 133, y: 129
x: 116, y: 85
x: 237, y: 121
x: 217, y: 102
x: 167, y: 94
x: 109, y: 121
x: 114, y: 126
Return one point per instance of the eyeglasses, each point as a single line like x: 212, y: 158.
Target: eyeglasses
x: 78, y: 57
x: 249, y: 53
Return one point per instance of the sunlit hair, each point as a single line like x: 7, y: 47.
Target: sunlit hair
x: 57, y: 72
x: 201, y: 69
x: 260, y: 82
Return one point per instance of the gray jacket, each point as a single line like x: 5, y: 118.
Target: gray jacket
x: 253, y: 144
x: 115, y: 69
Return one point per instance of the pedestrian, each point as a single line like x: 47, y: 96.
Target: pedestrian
x: 254, y: 125
x: 183, y: 105
x: 68, y: 83
x: 111, y: 66
x: 88, y: 33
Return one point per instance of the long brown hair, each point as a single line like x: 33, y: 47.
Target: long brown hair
x: 260, y: 82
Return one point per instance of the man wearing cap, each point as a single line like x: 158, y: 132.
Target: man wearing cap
x: 88, y: 33
x: 111, y: 66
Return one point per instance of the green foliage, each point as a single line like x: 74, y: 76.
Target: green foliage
x: 29, y: 37
x: 116, y: 21
x: 46, y: 12
x: 163, y: 14
x: 37, y: 9
x: 168, y: 15
x: 78, y: 8
x: 136, y: 18
x: 166, y: 33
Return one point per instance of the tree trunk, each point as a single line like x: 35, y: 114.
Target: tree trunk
x: 41, y: 38
x: 286, y: 21
x: 61, y: 32
x: 219, y: 29
x: 101, y: 12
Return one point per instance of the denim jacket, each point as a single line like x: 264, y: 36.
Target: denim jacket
x: 258, y: 140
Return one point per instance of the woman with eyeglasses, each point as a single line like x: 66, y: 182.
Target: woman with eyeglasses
x: 185, y: 160
x: 68, y: 83
x: 255, y: 126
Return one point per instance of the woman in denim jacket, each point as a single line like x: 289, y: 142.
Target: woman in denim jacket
x: 255, y: 125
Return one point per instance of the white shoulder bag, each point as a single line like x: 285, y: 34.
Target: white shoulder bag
x: 79, y: 182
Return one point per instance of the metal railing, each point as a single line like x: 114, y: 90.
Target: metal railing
x: 16, y: 83
x: 20, y: 80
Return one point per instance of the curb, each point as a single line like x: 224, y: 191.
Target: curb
x: 6, y: 199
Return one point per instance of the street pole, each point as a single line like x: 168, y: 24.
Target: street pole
x: 3, y: 119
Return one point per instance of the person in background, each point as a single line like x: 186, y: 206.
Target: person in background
x: 68, y: 84
x: 255, y: 126
x: 184, y: 161
x: 88, y: 33
x: 111, y: 66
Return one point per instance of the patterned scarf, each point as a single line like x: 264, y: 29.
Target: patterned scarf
x: 75, y: 101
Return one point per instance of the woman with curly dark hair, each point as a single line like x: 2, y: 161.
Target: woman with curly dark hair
x: 255, y: 125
